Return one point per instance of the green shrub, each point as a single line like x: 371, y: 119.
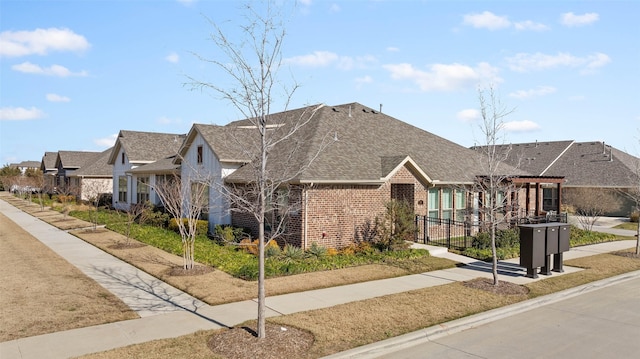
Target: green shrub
x: 202, y: 226
x: 292, y: 252
x: 581, y: 237
x: 317, y: 250
x: 228, y: 234
x: 397, y: 228
x: 505, y: 238
x: 272, y: 251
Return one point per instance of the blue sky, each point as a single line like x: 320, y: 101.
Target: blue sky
x: 74, y: 73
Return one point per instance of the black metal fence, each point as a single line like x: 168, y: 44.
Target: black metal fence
x: 459, y: 234
x: 445, y: 232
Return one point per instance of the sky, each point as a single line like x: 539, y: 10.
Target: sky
x: 75, y: 73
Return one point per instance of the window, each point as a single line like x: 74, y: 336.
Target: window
x: 199, y: 154
x: 122, y: 189
x: 447, y: 203
x: 142, y: 190
x: 122, y: 157
x: 434, y: 202
x: 549, y: 199
x: 461, y: 204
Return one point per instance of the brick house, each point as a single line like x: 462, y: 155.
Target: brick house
x: 354, y: 160
x: 132, y: 151
x: 591, y: 164
x: 94, y: 179
x: 68, y: 162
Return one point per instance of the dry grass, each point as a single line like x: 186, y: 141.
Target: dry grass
x: 337, y: 328
x: 42, y: 293
x: 354, y: 324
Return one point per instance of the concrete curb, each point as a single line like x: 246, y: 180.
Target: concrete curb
x: 391, y: 345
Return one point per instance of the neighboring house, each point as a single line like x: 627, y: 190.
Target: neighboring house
x: 66, y: 163
x: 25, y: 165
x: 583, y: 164
x: 134, y: 149
x: 94, y: 179
x: 49, y: 170
x: 162, y: 169
x: 354, y: 160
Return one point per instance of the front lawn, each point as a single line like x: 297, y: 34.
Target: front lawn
x: 242, y: 264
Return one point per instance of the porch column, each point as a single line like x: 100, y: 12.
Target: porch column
x: 537, y: 198
x: 559, y: 186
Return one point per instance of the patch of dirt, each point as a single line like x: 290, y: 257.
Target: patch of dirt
x: 503, y: 288
x: 127, y: 246
x: 196, y: 270
x: 280, y: 342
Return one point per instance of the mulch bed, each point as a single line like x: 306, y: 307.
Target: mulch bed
x: 196, y: 270
x: 279, y: 342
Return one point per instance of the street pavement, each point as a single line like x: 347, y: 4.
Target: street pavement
x: 602, y: 323
x: 167, y: 312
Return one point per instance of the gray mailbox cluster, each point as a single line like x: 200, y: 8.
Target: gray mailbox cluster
x: 538, y: 242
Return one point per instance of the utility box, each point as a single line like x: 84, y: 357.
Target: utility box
x: 564, y: 231
x: 550, y: 247
x: 533, y: 247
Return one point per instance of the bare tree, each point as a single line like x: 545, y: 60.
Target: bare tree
x: 253, y: 65
x: 590, y: 204
x: 493, y: 185
x: 185, y: 199
x: 67, y: 193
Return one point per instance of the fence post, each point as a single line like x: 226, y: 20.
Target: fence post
x: 449, y: 233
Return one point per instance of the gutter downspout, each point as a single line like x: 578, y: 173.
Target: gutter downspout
x: 305, y: 230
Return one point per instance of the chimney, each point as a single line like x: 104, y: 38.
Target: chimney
x: 380, y: 108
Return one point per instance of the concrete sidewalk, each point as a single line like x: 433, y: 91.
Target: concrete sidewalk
x: 167, y: 312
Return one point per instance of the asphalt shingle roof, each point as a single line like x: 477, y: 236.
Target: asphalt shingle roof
x: 48, y: 162
x: 581, y: 163
x: 360, y: 144
x: 146, y: 147
x: 75, y: 159
x: 97, y: 166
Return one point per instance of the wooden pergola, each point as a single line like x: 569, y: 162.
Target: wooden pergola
x: 536, y: 182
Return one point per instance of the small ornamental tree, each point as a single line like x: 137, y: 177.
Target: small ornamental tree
x: 185, y: 199
x: 492, y: 183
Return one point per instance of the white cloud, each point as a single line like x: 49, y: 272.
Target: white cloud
x: 530, y: 25
x: 20, y: 114
x: 571, y: 20
x: 53, y: 70
x: 106, y: 141
x: 520, y: 126
x: 539, y: 91
x: 392, y: 49
x: 317, y: 59
x: 40, y: 42
x: 444, y: 77
x: 305, y: 2
x: 334, y: 8
x: 365, y: 80
x: 487, y: 20
x: 327, y: 58
x: 523, y: 62
x: 52, y: 97
x: 173, y: 58
x: 468, y: 115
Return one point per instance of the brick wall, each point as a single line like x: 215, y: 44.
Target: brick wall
x: 337, y: 214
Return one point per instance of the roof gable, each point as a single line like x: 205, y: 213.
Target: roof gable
x: 97, y: 166
x: 145, y: 147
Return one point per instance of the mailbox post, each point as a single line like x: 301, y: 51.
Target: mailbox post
x: 563, y: 246
x: 532, y: 247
